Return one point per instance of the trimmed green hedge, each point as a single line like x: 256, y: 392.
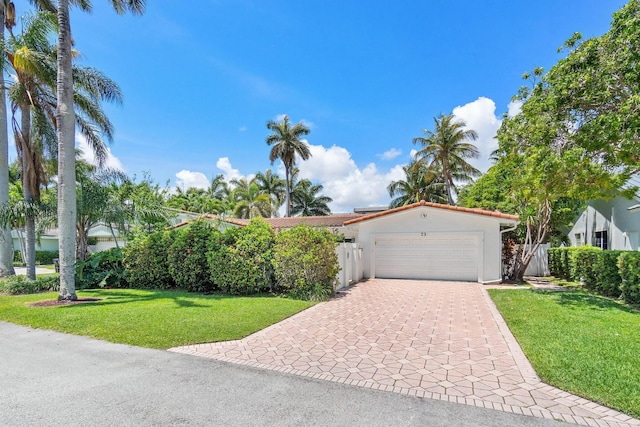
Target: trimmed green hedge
x: 146, y: 261
x: 629, y: 265
x: 15, y: 285
x: 42, y: 257
x: 581, y: 265
x: 608, y: 279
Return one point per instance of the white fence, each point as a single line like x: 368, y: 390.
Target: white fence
x: 539, y: 265
x: 350, y: 260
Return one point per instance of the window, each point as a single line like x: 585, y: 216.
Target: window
x: 578, y: 237
x: 601, y: 240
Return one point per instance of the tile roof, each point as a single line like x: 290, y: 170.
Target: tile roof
x: 336, y: 220
x: 476, y: 211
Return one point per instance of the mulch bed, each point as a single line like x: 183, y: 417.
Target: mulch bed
x: 55, y: 302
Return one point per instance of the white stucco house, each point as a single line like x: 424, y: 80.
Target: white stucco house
x: 608, y: 224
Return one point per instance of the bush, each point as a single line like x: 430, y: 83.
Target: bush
x: 240, y: 260
x: 608, y: 274
x: 305, y: 262
x: 582, y: 265
x: 146, y: 261
x: 42, y: 257
x: 554, y: 261
x: 14, y: 285
x: 104, y: 268
x: 629, y: 266
x: 187, y: 257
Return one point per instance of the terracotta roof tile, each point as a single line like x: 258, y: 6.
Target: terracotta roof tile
x: 476, y: 211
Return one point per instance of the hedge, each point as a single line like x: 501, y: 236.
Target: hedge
x: 608, y: 279
x: 146, y: 261
x: 187, y: 257
x: 629, y: 266
x: 581, y: 265
x: 42, y: 257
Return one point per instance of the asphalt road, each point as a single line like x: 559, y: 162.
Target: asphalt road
x: 53, y: 379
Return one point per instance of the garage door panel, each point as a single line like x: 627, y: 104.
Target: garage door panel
x: 439, y: 258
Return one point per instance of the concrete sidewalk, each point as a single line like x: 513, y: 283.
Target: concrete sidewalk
x: 54, y: 379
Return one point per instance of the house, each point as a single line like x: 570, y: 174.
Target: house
x: 419, y: 241
x: 100, y: 237
x: 608, y: 224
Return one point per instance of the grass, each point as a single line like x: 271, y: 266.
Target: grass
x: 155, y: 319
x: 582, y: 343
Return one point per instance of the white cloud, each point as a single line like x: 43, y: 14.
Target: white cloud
x: 242, y: 129
x: 229, y: 172
x: 413, y: 153
x: 111, y: 162
x: 187, y: 179
x: 343, y: 181
x: 390, y: 154
x: 514, y: 108
x: 307, y: 123
x: 480, y: 115
x: 279, y: 117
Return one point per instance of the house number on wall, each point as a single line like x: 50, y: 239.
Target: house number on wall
x: 423, y: 234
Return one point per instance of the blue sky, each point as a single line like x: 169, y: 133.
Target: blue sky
x: 201, y: 78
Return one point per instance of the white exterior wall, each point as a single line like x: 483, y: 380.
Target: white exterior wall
x: 350, y: 261
x: 431, y: 221
x: 612, y: 216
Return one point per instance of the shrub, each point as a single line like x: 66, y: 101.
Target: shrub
x: 305, y: 262
x: 42, y: 257
x: 582, y: 265
x: 608, y: 278
x: 187, y: 257
x: 14, y: 285
x: 629, y: 265
x: 240, y: 260
x: 554, y: 261
x: 104, y: 268
x: 146, y: 261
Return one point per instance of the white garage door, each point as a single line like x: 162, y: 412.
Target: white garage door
x: 445, y: 257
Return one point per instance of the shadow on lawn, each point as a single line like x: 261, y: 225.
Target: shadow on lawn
x: 589, y: 301
x: 116, y: 298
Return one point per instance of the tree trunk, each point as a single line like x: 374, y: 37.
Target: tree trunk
x: 82, y: 247
x: 287, y: 196
x: 6, y: 241
x: 66, y: 157
x: 28, y: 189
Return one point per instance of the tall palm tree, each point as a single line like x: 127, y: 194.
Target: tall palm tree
x: 66, y: 134
x: 422, y: 182
x: 250, y: 200
x: 287, y: 144
x: 6, y: 241
x: 33, y: 63
x: 447, y: 149
x: 274, y: 186
x: 307, y: 201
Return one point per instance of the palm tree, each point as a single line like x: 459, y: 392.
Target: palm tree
x: 250, y: 201
x: 286, y: 143
x: 6, y: 241
x: 422, y: 182
x: 65, y: 118
x: 274, y: 186
x: 33, y: 61
x: 446, y: 149
x: 307, y: 201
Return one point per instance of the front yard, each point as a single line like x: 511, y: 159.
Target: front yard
x: 582, y: 343
x: 155, y: 319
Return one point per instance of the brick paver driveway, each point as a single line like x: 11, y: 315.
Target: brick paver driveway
x: 438, y: 340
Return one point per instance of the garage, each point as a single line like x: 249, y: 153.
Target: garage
x: 444, y: 257
x: 433, y: 242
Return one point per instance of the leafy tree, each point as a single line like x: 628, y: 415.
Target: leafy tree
x: 286, y: 144
x: 307, y: 201
x: 65, y: 118
x: 422, y: 182
x: 445, y: 149
x: 271, y: 184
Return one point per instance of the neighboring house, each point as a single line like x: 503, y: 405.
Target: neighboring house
x: 418, y: 241
x: 608, y: 224
x: 100, y: 235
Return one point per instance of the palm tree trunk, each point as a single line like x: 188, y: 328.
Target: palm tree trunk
x: 82, y: 247
x: 6, y: 241
x: 27, y: 189
x: 287, y: 196
x: 66, y: 157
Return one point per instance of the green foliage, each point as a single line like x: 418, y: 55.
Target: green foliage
x: 306, y: 263
x: 187, y: 257
x: 608, y: 278
x: 553, y: 257
x: 100, y: 269
x: 42, y: 257
x: 15, y: 285
x: 629, y: 265
x: 146, y: 261
x: 582, y: 265
x: 240, y: 260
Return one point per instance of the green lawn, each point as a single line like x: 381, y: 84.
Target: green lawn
x: 581, y: 343
x: 156, y: 319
